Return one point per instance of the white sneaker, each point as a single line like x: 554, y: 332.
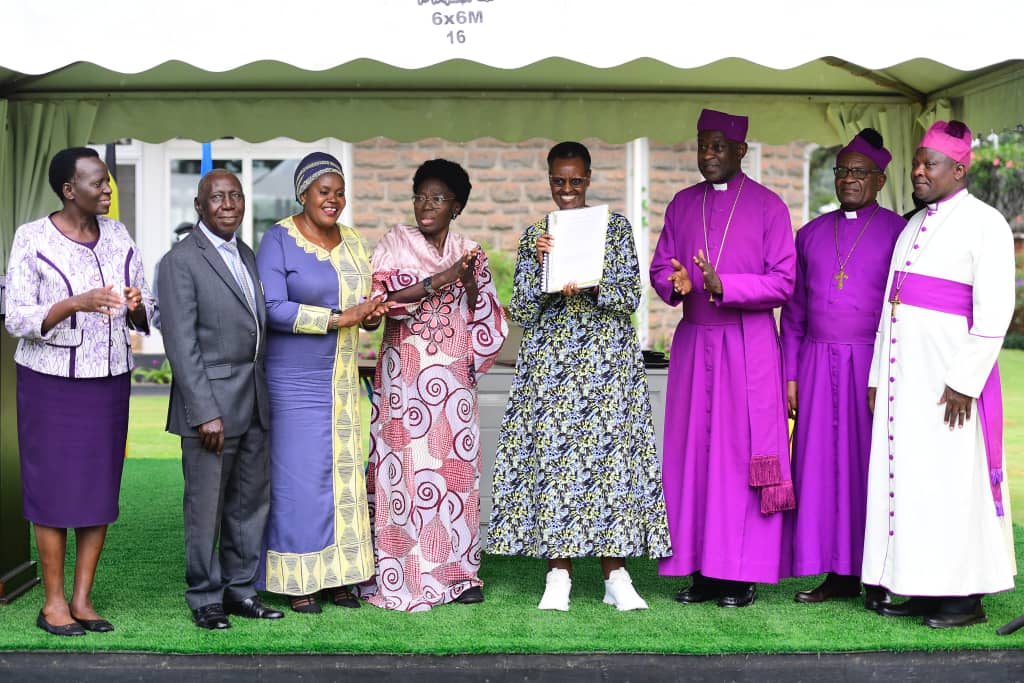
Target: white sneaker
x: 619, y: 591
x: 556, y: 594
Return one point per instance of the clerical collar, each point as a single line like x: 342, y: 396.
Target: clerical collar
x: 932, y: 208
x: 722, y: 187
x: 852, y: 215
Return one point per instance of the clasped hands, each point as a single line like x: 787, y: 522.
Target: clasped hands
x: 105, y: 300
x: 681, y: 282
x: 368, y: 313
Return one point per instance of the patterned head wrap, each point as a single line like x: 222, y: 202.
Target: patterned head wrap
x: 312, y: 167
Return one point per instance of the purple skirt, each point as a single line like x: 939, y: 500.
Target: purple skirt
x: 71, y: 438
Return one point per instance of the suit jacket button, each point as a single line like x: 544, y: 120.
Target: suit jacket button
x: 252, y: 334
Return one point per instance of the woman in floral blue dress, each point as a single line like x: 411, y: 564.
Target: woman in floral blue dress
x: 577, y: 471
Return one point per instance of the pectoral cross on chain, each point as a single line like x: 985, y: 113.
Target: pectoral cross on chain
x: 895, y: 301
x: 840, y: 277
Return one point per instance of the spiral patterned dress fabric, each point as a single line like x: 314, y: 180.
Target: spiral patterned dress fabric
x: 424, y: 467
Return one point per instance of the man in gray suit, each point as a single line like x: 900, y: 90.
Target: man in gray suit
x: 214, y: 330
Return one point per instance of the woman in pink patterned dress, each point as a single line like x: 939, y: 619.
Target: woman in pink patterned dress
x: 424, y: 470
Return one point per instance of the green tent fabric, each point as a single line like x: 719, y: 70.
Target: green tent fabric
x: 394, y: 71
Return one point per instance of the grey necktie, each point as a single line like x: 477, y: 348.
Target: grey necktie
x: 238, y: 270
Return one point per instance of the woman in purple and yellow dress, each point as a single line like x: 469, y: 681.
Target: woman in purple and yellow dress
x: 316, y: 278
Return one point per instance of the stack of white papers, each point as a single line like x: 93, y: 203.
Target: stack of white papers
x: 577, y: 254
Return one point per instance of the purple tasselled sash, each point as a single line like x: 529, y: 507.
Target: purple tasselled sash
x: 957, y: 298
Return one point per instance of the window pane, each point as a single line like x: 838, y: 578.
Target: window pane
x: 273, y: 191
x: 126, y: 196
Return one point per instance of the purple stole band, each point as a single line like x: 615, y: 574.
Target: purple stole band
x: 769, y: 470
x: 957, y: 298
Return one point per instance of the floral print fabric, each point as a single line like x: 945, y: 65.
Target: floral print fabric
x: 577, y: 471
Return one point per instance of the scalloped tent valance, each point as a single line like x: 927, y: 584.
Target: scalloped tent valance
x: 510, y: 69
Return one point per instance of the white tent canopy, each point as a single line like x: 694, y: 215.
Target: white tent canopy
x: 72, y: 73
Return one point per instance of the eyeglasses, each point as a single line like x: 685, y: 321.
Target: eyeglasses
x: 436, y: 199
x: 858, y: 173
x: 576, y: 183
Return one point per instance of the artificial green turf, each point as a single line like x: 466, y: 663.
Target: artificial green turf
x: 141, y: 581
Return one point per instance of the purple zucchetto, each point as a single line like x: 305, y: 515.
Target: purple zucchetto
x: 313, y: 166
x: 732, y: 127
x: 869, y: 143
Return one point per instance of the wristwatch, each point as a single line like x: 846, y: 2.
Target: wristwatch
x: 428, y: 283
x: 334, y: 312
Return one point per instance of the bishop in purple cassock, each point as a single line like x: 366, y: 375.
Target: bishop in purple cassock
x: 828, y: 335
x: 726, y: 466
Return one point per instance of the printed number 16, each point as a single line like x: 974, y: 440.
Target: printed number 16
x: 456, y: 37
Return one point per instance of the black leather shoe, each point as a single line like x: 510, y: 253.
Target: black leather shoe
x: 944, y: 620
x: 741, y: 599
x: 834, y: 586
x: 211, y: 617
x: 471, y: 596
x: 73, y: 629
x: 252, y: 608
x: 698, y: 593
x: 914, y: 607
x: 876, y: 597
x: 95, y: 625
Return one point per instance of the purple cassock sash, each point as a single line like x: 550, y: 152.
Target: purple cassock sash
x: 957, y: 298
x: 769, y: 468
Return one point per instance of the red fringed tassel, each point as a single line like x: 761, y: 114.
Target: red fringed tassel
x: 777, y: 498
x: 765, y: 470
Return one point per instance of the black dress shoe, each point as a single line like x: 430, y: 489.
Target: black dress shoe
x: 73, y: 629
x: 471, y: 596
x: 914, y: 607
x: 252, y: 608
x: 703, y: 589
x: 211, y: 617
x: 834, y: 586
x: 876, y: 597
x: 956, y: 620
x: 95, y: 625
x: 739, y: 599
x: 696, y: 594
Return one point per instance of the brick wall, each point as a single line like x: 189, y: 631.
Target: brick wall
x: 510, y: 189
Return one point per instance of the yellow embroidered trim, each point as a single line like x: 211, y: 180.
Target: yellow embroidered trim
x: 311, y: 320
x: 350, y: 558
x: 307, y: 246
x: 307, y: 573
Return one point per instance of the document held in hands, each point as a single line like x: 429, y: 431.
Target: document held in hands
x: 577, y: 254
